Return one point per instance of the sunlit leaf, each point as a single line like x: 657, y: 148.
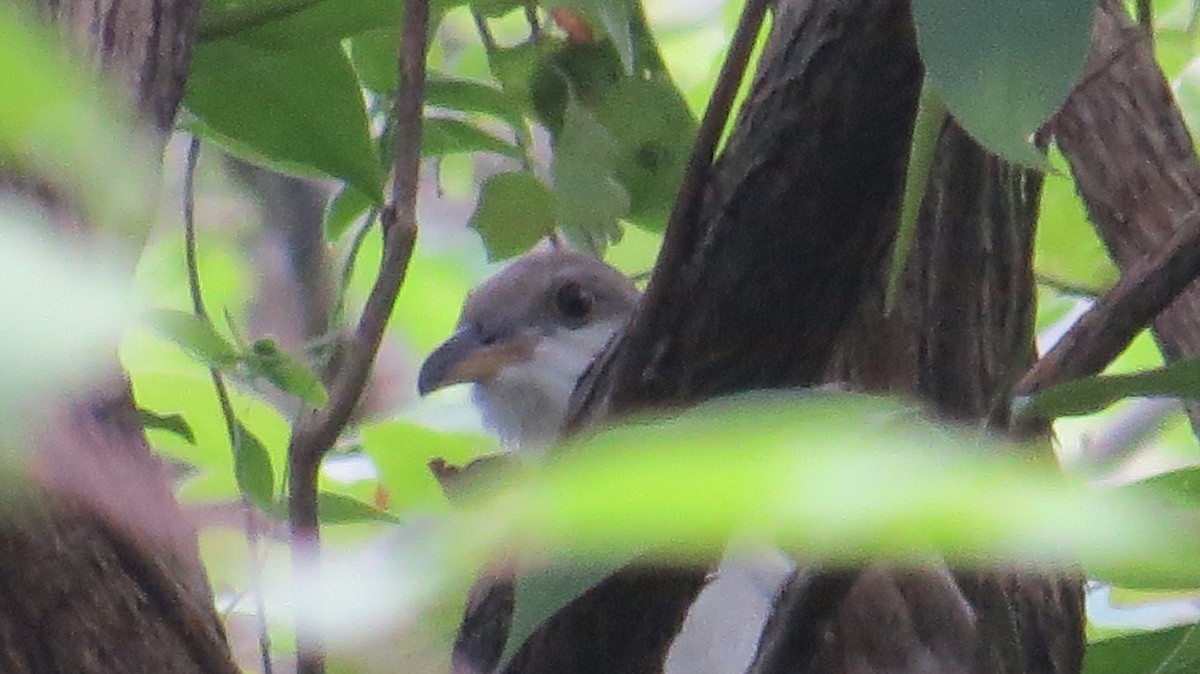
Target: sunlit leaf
x: 839, y: 479
x: 515, y: 211
x: 1067, y: 250
x: 1090, y: 394
x: 1003, y: 68
x: 189, y: 392
x: 171, y: 423
x: 337, y: 508
x: 196, y: 336
x: 290, y: 375
x: 252, y: 468
x: 299, y: 109
x: 402, y: 450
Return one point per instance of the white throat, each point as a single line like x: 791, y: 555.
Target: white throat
x: 526, y: 403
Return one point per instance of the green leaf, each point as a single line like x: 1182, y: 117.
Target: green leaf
x: 468, y: 96
x: 440, y: 137
x: 171, y: 423
x: 931, y: 117
x: 1174, y: 650
x: 515, y: 67
x: 570, y: 73
x: 337, y: 508
x: 1090, y: 394
x: 290, y: 375
x: 342, y: 210
x: 541, y: 593
x: 588, y: 200
x: 515, y: 211
x: 299, y: 109
x: 837, y: 479
x: 1180, y: 487
x: 220, y: 18
x: 402, y: 450
x: 325, y: 22
x: 654, y: 130
x: 614, y: 18
x: 252, y: 467
x: 196, y: 336
x: 1067, y: 250
x: 1003, y: 68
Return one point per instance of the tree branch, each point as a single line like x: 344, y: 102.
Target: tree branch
x: 1111, y: 324
x: 317, y: 433
x: 1134, y: 164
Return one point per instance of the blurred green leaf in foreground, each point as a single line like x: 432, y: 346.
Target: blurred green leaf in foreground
x: 62, y: 316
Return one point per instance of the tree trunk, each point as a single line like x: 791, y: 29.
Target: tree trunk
x: 960, y: 335
x: 756, y: 291
x: 99, y: 571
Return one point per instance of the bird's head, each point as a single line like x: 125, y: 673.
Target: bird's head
x: 526, y: 336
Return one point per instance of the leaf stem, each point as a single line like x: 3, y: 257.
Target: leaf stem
x: 194, y: 289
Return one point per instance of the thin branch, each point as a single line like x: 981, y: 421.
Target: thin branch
x: 1101, y: 334
x: 317, y: 433
x: 193, y: 277
x: 485, y: 33
x: 716, y: 116
x: 1065, y: 287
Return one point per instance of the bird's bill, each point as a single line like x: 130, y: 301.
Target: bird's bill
x: 465, y: 358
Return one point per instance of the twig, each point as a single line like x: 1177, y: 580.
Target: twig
x: 193, y: 277
x: 1101, y: 334
x: 1065, y: 287
x: 316, y: 434
x: 716, y: 115
x: 485, y: 34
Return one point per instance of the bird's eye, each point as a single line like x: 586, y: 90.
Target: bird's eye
x: 572, y: 301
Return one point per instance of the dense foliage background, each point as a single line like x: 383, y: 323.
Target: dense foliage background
x: 536, y: 128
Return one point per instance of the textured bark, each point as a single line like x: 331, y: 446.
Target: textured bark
x: 1134, y: 163
x: 752, y: 293
x: 99, y: 570
x: 142, y: 46
x: 960, y: 335
x: 793, y: 222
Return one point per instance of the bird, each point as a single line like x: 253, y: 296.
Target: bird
x: 524, y: 338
